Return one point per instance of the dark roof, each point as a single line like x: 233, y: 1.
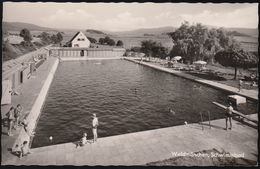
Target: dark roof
x: 74, y: 36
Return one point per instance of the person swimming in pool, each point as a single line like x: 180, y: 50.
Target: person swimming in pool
x: 171, y: 111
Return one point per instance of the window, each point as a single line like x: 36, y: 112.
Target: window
x: 79, y: 39
x: 76, y: 45
x: 82, y: 39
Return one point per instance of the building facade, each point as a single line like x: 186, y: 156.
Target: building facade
x: 66, y: 52
x: 79, y: 40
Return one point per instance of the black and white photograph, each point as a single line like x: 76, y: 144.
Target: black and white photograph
x: 129, y: 84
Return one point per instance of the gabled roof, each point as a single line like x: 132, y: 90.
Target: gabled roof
x: 75, y: 36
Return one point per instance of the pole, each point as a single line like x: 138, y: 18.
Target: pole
x: 209, y: 119
x: 201, y: 121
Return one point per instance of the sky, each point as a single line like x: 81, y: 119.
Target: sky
x: 130, y: 16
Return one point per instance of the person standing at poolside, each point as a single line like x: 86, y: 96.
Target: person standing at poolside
x: 94, y: 129
x: 17, y: 115
x: 24, y: 149
x: 229, y: 111
x: 10, y: 118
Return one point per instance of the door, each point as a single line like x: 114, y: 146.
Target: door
x: 82, y: 53
x: 6, y: 92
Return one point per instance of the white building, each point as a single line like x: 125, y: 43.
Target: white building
x: 79, y: 40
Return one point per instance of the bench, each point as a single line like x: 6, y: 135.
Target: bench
x: 236, y: 113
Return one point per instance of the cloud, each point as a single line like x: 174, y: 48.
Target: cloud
x: 65, y: 19
x: 244, y: 17
x: 164, y: 15
x: 123, y: 21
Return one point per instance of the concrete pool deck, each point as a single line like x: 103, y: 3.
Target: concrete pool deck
x: 250, y: 94
x: 28, y: 98
x: 148, y: 146
x: 30, y: 92
x: 86, y: 58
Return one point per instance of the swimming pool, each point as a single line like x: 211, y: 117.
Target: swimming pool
x: 126, y: 97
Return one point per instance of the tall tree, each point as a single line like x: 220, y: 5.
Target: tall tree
x: 101, y: 41
x: 92, y: 40
x: 59, y: 37
x: 54, y: 38
x: 106, y: 39
x: 26, y: 34
x: 45, y: 37
x: 153, y: 49
x: 111, y: 42
x: 236, y: 58
x: 119, y: 43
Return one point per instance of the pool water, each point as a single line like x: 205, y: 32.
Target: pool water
x: 126, y: 97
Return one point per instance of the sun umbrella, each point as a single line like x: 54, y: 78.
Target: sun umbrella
x: 177, y: 58
x: 200, y: 62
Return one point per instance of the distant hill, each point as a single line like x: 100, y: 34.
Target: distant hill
x: 17, y: 26
x: 235, y: 33
x: 141, y: 32
x: 246, y: 31
x: 94, y: 31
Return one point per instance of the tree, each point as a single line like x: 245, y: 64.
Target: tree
x: 101, y: 41
x: 153, y: 49
x: 25, y: 33
x: 119, y: 43
x: 111, y: 42
x: 92, y: 40
x: 59, y: 37
x: 54, y: 38
x: 45, y: 37
x: 106, y: 39
x: 189, y: 40
x: 236, y: 58
x: 197, y: 42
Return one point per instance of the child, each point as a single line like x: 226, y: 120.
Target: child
x: 82, y: 141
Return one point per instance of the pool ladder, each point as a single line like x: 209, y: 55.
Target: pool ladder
x: 201, y: 118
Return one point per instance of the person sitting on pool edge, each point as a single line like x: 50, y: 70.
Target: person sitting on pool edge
x: 82, y: 141
x: 229, y: 111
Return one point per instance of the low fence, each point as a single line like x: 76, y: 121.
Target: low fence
x: 86, y: 52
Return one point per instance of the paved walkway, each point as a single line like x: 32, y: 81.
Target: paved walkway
x: 29, y: 93
x: 148, y: 146
x: 251, y: 94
